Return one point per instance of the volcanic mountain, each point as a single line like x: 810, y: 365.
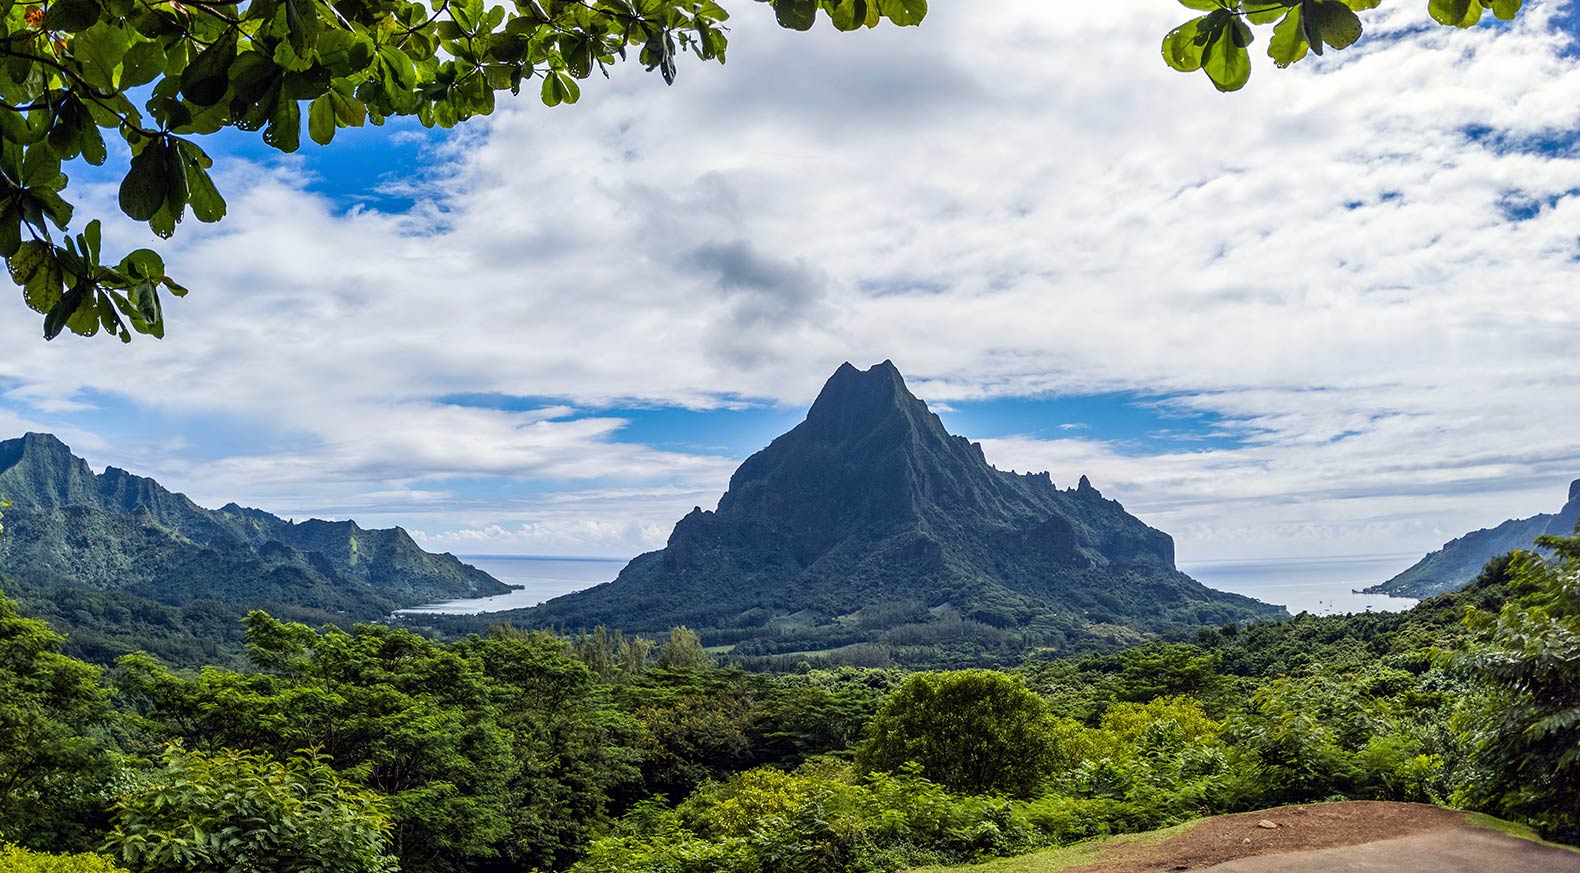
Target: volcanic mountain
x: 1459, y: 561
x: 69, y: 527
x: 869, y: 523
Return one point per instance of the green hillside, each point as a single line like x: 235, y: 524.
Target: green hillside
x: 71, y: 530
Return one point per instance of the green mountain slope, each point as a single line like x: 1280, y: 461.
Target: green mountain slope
x: 870, y: 523
x: 1459, y: 561
x: 70, y: 527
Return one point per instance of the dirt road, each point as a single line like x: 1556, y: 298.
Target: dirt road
x: 1467, y: 850
x: 1355, y: 837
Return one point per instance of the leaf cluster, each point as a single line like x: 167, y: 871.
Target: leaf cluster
x: 158, y: 75
x: 234, y: 810
x: 1218, y: 43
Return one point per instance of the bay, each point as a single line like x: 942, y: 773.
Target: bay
x: 1318, y: 585
x: 535, y: 579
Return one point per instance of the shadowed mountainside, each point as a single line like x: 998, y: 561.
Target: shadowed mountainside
x: 70, y: 527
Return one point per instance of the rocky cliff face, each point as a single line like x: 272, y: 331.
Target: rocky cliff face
x: 118, y: 531
x: 1459, y: 561
x: 871, y: 504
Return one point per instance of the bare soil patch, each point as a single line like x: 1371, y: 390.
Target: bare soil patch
x: 1299, y: 828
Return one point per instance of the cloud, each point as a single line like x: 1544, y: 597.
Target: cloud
x: 1364, y: 265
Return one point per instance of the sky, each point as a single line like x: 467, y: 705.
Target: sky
x: 1331, y: 315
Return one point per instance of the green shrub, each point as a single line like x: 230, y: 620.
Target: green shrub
x: 819, y: 818
x: 15, y: 859
x: 237, y: 811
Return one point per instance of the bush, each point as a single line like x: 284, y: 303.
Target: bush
x: 817, y: 819
x: 237, y: 811
x: 15, y: 859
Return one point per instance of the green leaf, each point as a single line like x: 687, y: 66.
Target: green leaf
x: 92, y: 238
x: 1288, y: 44
x: 1456, y: 13
x: 10, y: 231
x: 71, y: 15
x: 143, y: 63
x: 206, y: 79
x: 795, y: 14
x: 145, y: 187
x: 99, y: 50
x: 400, y: 74
x: 285, y: 127
x: 1270, y: 14
x: 905, y: 13
x: 1329, y: 22
x: 321, y: 120
x: 1224, y: 58
x: 41, y: 168
x: 344, y: 52
x: 65, y: 310
x: 35, y: 269
x: 1181, y: 48
x: 301, y: 16
x: 349, y: 111
x: 207, y: 204
x: 853, y: 14
x: 1505, y: 10
x: 164, y: 221
x: 143, y: 264
x: 559, y: 88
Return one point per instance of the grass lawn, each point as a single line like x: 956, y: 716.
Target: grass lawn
x: 1482, y: 820
x: 1064, y: 857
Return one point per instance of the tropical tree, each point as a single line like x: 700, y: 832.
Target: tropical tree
x: 975, y: 731
x: 683, y: 651
x: 487, y: 751
x: 1527, y: 729
x: 51, y: 764
x: 161, y: 75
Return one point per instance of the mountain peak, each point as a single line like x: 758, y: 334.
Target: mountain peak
x: 1574, y: 491
x: 38, y: 469
x: 870, y: 507
x: 853, y: 400
x: 34, y: 447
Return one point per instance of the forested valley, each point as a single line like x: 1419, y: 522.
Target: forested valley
x: 377, y: 748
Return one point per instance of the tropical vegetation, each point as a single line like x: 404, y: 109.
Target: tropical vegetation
x: 375, y: 748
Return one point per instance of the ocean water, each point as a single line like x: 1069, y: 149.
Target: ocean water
x: 538, y: 579
x: 1321, y: 586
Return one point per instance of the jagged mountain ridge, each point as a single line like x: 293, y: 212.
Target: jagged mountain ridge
x: 1459, y: 561
x: 118, y: 531
x: 870, y: 508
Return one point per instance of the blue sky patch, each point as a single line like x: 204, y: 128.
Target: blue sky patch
x: 1134, y: 423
